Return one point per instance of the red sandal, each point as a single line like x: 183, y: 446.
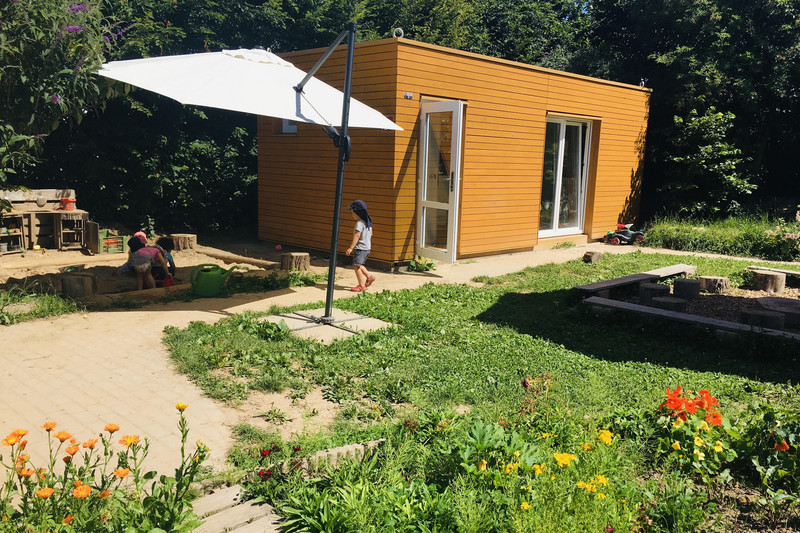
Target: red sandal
x: 358, y: 288
x: 369, y: 282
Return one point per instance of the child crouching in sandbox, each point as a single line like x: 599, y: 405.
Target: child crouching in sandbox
x: 142, y: 259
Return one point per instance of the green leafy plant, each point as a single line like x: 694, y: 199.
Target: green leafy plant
x: 90, y: 495
x: 421, y: 264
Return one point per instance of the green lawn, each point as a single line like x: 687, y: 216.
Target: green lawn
x: 458, y: 348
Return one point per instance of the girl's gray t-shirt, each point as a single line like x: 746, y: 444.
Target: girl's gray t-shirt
x: 365, y: 241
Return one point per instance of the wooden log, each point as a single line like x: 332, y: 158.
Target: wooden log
x: 295, y: 261
x: 670, y: 303
x: 714, y: 284
x: 790, y: 308
x: 184, y: 241
x: 762, y: 318
x: 78, y: 286
x: 648, y: 291
x: 767, y: 281
x: 592, y: 257
x: 688, y: 289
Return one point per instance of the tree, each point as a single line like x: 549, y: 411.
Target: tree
x: 48, y: 51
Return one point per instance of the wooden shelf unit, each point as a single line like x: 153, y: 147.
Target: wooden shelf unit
x: 14, y: 239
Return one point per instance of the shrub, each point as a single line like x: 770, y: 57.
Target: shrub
x: 421, y: 264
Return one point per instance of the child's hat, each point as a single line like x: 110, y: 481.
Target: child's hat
x: 360, y: 209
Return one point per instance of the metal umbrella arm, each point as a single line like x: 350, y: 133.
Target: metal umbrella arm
x: 341, y: 141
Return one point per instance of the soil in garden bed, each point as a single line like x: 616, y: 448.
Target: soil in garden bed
x: 729, y: 305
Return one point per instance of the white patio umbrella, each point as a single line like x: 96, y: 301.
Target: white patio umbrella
x: 249, y: 81
x: 261, y: 83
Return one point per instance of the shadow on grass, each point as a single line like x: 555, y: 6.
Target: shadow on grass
x: 559, y: 316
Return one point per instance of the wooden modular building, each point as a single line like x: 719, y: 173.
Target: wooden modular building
x: 495, y: 157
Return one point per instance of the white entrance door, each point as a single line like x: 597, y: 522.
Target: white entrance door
x: 566, y: 158
x: 438, y: 180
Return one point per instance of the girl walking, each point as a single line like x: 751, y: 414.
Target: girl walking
x: 361, y: 245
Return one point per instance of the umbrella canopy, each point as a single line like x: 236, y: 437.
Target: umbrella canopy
x: 249, y: 81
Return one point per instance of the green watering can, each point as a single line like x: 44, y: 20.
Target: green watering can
x: 207, y: 279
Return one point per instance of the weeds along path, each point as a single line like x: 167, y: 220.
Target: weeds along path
x: 86, y: 370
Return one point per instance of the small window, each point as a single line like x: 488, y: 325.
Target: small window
x: 289, y: 126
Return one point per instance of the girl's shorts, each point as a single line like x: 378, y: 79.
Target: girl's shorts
x: 360, y: 257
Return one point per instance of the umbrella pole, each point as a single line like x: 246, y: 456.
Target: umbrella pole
x: 344, y: 154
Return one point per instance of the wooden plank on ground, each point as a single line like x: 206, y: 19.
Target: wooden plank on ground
x: 235, y: 517
x: 687, y: 318
x: 674, y: 270
x: 268, y: 524
x: 592, y: 288
x: 779, y: 270
x: 217, y: 501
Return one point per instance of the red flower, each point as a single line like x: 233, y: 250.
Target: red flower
x: 265, y: 452
x: 782, y: 447
x: 714, y: 418
x: 297, y: 448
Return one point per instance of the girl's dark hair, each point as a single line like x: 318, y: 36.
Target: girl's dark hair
x: 166, y: 243
x: 134, y: 243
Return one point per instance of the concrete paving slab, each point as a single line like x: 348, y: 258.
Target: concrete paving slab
x: 306, y: 324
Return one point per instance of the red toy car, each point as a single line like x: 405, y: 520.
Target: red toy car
x: 624, y: 234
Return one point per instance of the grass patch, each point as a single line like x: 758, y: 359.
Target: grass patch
x: 764, y: 238
x: 19, y: 305
x: 459, y: 345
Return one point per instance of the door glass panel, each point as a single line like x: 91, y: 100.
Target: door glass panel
x: 571, y: 177
x: 549, y: 177
x: 434, y: 222
x: 437, y: 171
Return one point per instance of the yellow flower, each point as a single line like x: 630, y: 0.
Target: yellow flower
x: 538, y: 469
x: 564, y: 459
x: 516, y: 454
x: 718, y: 446
x: 510, y: 467
x: 678, y: 423
x: 601, y: 496
x: 180, y: 406
x: 552, y: 478
x: 547, y: 435
x: 588, y: 487
x: 698, y: 441
x: 586, y: 446
x: 482, y: 465
x: 676, y: 445
x: 601, y: 480
x: 700, y: 455
x: 605, y: 436
x: 703, y: 426
x: 524, y: 506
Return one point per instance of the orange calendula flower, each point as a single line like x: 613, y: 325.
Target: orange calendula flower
x: 22, y: 444
x: 72, y: 450
x: 26, y: 472
x: 45, y: 492
x: 10, y: 440
x: 63, y: 435
x: 90, y: 443
x: 129, y: 440
x: 48, y: 426
x: 82, y: 492
x: 782, y: 447
x: 20, y: 432
x: 122, y: 472
x: 105, y: 494
x: 180, y: 406
x: 111, y: 428
x: 68, y: 519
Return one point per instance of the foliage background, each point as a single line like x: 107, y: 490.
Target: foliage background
x: 724, y: 105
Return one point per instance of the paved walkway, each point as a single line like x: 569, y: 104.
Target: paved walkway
x: 84, y: 371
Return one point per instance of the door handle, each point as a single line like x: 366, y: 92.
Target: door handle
x: 452, y: 179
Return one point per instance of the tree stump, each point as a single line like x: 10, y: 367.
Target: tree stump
x: 714, y: 284
x: 648, y: 291
x: 295, y: 261
x: 767, y: 281
x: 184, y: 241
x: 670, y: 303
x: 592, y: 257
x: 762, y: 318
x: 78, y: 286
x: 688, y: 289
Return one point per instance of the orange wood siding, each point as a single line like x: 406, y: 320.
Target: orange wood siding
x: 507, y: 105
